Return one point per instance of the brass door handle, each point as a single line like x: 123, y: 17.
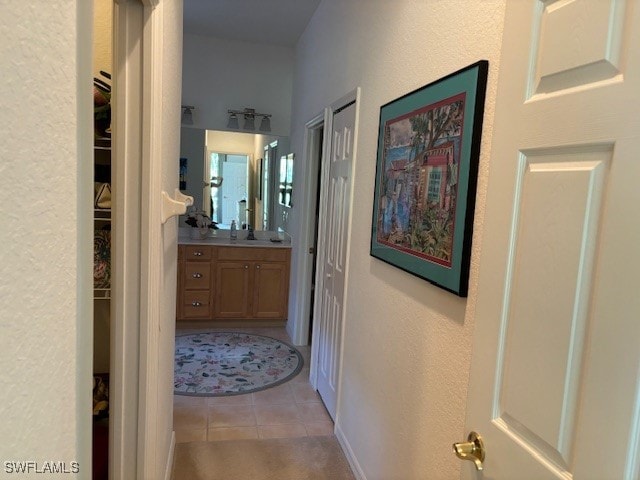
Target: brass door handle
x: 472, y: 450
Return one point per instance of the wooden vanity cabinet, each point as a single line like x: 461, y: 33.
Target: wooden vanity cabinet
x: 240, y: 283
x: 194, y: 282
x: 252, y: 283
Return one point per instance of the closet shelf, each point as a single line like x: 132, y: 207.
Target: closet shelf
x: 102, y: 214
x: 102, y: 143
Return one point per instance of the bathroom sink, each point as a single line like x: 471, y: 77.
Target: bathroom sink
x: 222, y: 238
x: 255, y: 243
x: 240, y: 242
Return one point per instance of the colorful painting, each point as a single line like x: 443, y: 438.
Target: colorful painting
x: 428, y: 149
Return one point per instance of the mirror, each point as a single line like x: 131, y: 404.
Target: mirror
x: 248, y: 166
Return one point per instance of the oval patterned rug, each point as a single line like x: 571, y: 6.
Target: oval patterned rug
x: 228, y: 363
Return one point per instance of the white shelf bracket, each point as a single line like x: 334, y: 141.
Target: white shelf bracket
x: 174, y: 206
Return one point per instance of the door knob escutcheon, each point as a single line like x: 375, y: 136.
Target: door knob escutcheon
x: 472, y: 450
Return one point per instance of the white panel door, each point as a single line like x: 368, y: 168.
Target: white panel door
x: 335, y: 245
x: 554, y: 377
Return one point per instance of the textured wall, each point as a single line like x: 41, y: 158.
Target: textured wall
x: 45, y: 231
x: 219, y: 75
x: 407, y: 344
x: 102, y: 37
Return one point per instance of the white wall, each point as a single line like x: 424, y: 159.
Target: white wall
x: 407, y: 344
x: 192, y: 144
x: 46, y: 231
x: 219, y: 75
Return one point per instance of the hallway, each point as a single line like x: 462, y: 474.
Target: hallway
x: 293, y: 409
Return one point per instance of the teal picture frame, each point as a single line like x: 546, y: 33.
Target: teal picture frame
x: 426, y: 177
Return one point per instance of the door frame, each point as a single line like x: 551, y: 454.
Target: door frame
x: 351, y: 97
x: 151, y: 242
x: 303, y: 307
x: 138, y: 60
x: 125, y: 298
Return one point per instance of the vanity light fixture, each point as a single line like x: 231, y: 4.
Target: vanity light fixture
x: 187, y: 114
x: 249, y: 119
x: 233, y: 122
x: 265, y: 124
x: 249, y: 115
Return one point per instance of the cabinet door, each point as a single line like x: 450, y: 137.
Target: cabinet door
x: 232, y: 289
x: 270, y: 290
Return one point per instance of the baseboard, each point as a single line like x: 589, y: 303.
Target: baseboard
x: 187, y: 324
x: 348, y: 452
x: 168, y: 473
x: 290, y: 331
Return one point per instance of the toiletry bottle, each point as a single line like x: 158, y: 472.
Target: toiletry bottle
x: 234, y: 230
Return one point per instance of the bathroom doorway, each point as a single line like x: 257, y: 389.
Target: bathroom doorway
x: 316, y: 162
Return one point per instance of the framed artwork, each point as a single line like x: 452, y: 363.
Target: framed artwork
x: 426, y: 175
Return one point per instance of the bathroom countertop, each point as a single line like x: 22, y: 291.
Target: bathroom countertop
x: 221, y: 238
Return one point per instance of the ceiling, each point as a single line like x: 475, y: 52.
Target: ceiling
x: 274, y: 22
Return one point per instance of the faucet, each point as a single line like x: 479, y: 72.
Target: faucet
x: 250, y: 235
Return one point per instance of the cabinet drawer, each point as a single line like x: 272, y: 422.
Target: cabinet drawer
x: 197, y: 252
x: 253, y: 253
x: 197, y: 275
x: 196, y: 304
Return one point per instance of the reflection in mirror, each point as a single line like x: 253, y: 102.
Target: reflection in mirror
x: 270, y: 152
x: 228, y: 188
x: 285, y: 186
x: 220, y: 169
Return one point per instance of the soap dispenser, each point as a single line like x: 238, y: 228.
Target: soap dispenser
x: 234, y: 230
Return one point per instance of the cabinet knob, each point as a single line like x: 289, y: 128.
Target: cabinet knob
x: 246, y: 266
x: 197, y: 254
x: 197, y: 275
x: 196, y: 304
x: 257, y: 266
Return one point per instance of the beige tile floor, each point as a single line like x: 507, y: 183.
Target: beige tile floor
x: 293, y: 409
